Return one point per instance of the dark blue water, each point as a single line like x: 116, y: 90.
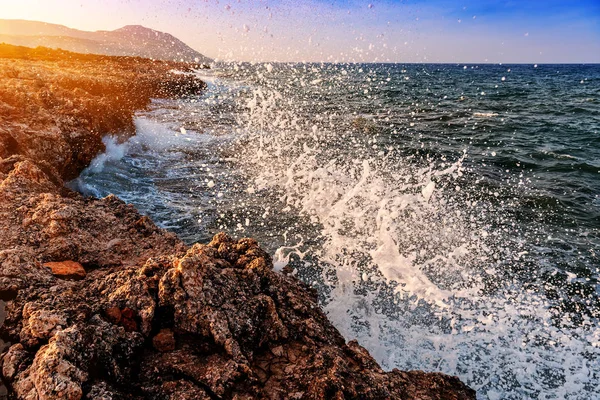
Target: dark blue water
x: 448, y: 215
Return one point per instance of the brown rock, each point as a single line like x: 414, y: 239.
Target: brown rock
x: 128, y: 320
x: 164, y: 341
x: 129, y: 325
x: 128, y: 313
x: 242, y: 332
x: 56, y: 106
x: 66, y: 269
x: 113, y: 314
x: 34, y: 214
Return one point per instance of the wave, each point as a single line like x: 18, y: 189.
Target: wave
x: 434, y: 253
x: 413, y: 262
x: 485, y: 114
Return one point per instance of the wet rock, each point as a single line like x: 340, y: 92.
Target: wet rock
x: 66, y: 269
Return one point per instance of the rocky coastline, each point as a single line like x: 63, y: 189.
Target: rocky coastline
x: 97, y: 302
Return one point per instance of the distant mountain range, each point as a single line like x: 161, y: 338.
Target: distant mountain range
x: 131, y: 40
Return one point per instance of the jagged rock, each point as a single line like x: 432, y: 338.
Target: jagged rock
x: 56, y: 106
x: 59, y: 228
x: 62, y: 367
x: 242, y: 332
x: 15, y: 360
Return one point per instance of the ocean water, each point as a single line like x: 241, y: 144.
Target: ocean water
x: 448, y: 215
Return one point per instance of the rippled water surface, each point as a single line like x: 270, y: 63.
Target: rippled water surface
x: 448, y: 215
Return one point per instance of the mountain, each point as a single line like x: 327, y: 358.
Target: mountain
x: 131, y: 40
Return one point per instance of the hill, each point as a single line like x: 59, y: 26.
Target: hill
x: 131, y: 40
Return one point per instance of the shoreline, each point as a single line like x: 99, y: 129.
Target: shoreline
x: 138, y: 314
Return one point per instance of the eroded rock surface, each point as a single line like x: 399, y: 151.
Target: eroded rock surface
x: 214, y: 322
x: 55, y: 106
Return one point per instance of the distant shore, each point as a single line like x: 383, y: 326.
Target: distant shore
x: 98, y: 302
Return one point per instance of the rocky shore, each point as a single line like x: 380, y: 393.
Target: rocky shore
x: 97, y: 302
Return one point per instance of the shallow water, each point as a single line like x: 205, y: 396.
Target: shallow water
x: 448, y: 215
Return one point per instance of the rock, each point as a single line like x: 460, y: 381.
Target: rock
x: 164, y: 341
x: 128, y: 320
x: 242, y: 332
x: 40, y: 323
x: 15, y: 361
x: 113, y: 314
x: 56, y: 106
x: 34, y: 214
x: 66, y: 269
x: 61, y: 368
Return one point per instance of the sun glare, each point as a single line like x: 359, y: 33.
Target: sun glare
x: 72, y: 13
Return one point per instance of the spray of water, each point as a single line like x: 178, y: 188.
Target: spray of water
x: 415, y: 253
x: 414, y: 260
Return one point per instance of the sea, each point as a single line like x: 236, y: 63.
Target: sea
x: 448, y: 215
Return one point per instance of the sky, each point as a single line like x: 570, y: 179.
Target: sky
x: 468, y: 31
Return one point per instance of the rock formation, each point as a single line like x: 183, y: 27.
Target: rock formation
x: 100, y: 303
x: 56, y: 106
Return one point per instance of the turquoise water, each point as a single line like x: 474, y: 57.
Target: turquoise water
x: 448, y: 215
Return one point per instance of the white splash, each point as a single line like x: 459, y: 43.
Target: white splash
x: 406, y: 261
x: 114, y: 152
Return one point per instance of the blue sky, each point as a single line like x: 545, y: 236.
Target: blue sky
x: 350, y: 30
